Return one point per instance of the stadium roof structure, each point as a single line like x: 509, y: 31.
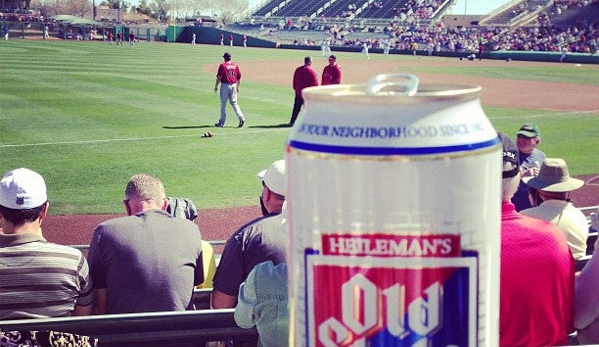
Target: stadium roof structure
x: 64, y: 18
x: 85, y: 21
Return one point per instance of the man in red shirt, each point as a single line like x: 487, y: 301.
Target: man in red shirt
x: 303, y: 77
x: 131, y: 39
x: 331, y: 74
x: 229, y: 77
x: 536, y: 303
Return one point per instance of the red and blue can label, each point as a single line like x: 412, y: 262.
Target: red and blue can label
x: 389, y: 290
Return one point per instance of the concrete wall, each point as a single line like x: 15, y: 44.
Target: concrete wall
x: 207, y: 35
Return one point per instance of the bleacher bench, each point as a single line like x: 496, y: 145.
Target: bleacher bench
x: 155, y: 329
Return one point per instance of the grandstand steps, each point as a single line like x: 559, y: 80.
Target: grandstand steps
x: 581, y: 15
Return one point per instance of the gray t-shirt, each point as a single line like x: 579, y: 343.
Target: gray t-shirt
x: 261, y: 240
x: 148, y: 262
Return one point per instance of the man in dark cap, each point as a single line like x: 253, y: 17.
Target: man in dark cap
x: 528, y: 138
x: 229, y: 77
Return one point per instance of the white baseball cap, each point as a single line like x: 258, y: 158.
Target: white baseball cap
x: 22, y: 189
x: 275, y: 177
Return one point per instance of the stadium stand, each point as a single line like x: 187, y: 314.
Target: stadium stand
x: 582, y: 15
x: 380, y: 9
x: 339, y: 9
x: 270, y: 8
x: 504, y: 15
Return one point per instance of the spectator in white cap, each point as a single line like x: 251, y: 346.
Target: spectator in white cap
x: 550, y: 194
x: 39, y: 278
x: 274, y: 188
x: 260, y: 240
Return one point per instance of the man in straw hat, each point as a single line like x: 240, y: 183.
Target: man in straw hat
x: 537, y: 271
x: 550, y: 194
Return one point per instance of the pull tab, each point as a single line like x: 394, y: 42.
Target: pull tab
x: 390, y: 84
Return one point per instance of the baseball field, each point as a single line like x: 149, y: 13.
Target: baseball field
x: 88, y: 115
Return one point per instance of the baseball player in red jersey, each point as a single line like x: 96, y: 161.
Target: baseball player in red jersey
x: 131, y: 39
x: 331, y: 74
x: 229, y: 77
x: 304, y: 77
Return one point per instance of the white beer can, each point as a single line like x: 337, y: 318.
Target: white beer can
x: 394, y: 208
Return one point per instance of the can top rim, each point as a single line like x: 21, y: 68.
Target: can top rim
x: 459, y: 91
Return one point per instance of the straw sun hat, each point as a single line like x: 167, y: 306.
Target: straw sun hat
x: 553, y: 177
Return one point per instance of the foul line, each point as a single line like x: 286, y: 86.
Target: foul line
x: 198, y: 135
x: 557, y: 113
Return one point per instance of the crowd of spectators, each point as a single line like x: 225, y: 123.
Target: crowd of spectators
x: 405, y: 30
x: 16, y: 15
x: 439, y: 38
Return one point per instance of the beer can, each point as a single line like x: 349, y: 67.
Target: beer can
x: 394, y: 209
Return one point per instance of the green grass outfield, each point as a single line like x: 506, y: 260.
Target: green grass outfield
x: 87, y: 116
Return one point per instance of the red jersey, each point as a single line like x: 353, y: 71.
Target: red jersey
x: 228, y: 72
x: 304, y: 77
x: 536, y: 300
x: 331, y: 74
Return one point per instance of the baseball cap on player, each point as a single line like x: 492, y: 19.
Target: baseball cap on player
x: 510, y: 155
x: 22, y: 189
x: 332, y: 57
x: 529, y: 130
x: 227, y: 55
x: 275, y: 177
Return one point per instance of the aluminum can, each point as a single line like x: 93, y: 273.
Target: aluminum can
x: 394, y: 209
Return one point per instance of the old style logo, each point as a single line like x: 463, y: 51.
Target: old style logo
x: 391, y: 300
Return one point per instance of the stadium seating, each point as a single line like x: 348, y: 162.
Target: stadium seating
x: 268, y: 7
x: 155, y: 329
x: 209, y: 262
x: 591, y: 241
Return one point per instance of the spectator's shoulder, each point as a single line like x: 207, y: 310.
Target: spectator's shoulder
x: 58, y: 248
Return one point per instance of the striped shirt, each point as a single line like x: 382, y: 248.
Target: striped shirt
x: 41, y: 279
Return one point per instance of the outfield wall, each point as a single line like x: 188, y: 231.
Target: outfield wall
x: 579, y: 58
x: 207, y: 35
